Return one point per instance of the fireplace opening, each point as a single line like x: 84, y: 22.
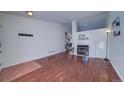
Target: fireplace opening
x: 83, y: 50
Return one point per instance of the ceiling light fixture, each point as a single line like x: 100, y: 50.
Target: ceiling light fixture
x: 30, y: 13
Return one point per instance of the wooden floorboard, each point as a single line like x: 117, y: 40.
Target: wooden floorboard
x: 66, y: 68
x: 16, y: 71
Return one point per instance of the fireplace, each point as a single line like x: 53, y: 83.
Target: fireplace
x: 83, y: 50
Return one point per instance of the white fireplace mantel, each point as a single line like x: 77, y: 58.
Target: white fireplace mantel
x: 96, y: 41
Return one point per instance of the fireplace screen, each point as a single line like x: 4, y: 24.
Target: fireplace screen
x: 83, y: 50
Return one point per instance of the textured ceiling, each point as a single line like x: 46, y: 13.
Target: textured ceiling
x: 87, y: 20
x: 61, y: 17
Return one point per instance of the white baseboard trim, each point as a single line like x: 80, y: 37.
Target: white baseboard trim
x: 35, y: 58
x: 122, y: 79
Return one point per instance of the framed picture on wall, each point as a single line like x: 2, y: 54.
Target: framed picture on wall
x: 116, y: 27
x: 82, y: 37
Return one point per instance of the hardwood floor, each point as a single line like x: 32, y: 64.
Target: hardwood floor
x: 16, y: 71
x: 66, y: 68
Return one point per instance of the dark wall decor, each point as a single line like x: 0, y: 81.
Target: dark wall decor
x: 116, y: 27
x: 23, y: 34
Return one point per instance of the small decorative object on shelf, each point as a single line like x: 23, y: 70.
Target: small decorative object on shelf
x: 68, y: 43
x: 82, y: 37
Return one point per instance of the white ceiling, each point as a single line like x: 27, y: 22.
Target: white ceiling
x: 62, y: 17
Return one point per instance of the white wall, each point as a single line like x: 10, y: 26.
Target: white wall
x: 117, y: 45
x: 1, y: 62
x: 0, y: 47
x: 48, y: 37
x: 96, y: 41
